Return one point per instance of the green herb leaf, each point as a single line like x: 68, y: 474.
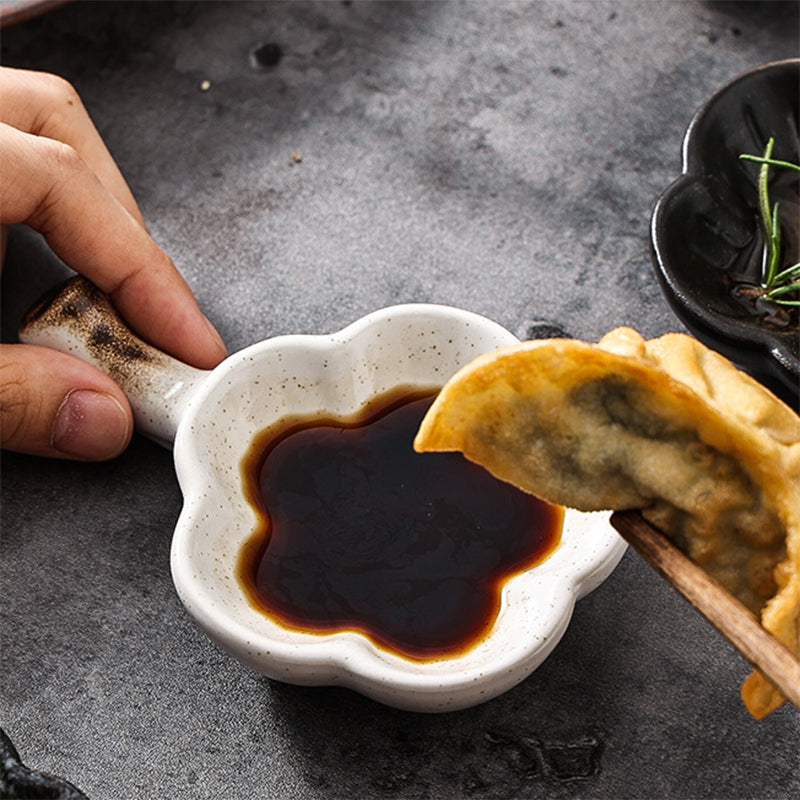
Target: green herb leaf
x: 777, y: 283
x: 789, y: 274
x: 776, y: 294
x: 771, y: 162
x: 774, y: 248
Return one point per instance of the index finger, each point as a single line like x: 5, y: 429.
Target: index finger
x: 47, y: 185
x: 47, y: 105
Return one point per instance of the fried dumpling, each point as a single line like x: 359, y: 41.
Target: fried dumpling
x: 665, y: 426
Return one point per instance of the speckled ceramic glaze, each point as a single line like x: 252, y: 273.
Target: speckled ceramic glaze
x: 214, y: 417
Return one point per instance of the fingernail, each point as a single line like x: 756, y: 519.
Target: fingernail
x: 90, y: 425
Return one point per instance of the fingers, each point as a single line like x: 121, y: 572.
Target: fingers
x: 46, y: 105
x: 58, y: 177
x: 52, y: 404
x: 46, y: 184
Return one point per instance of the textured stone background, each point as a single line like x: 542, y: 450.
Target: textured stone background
x: 502, y: 157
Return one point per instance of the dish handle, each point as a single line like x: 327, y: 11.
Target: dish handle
x: 77, y: 318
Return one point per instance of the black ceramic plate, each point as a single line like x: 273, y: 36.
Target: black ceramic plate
x: 706, y: 238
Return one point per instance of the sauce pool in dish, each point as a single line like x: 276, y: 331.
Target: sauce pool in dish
x: 358, y: 532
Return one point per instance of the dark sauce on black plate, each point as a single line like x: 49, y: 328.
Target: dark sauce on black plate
x: 359, y: 532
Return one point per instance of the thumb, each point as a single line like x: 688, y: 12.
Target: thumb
x: 52, y: 404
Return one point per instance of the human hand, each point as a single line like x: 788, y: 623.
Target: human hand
x: 58, y: 177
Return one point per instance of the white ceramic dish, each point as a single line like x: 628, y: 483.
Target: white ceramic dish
x: 213, y: 418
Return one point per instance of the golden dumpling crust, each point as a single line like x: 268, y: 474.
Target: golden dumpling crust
x: 666, y: 426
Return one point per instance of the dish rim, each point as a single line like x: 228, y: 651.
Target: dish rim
x: 351, y: 659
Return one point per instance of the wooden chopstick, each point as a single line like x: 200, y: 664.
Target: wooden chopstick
x: 728, y: 615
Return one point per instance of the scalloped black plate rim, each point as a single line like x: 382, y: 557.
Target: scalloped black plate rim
x: 687, y: 167
x: 721, y: 332
x: 684, y: 303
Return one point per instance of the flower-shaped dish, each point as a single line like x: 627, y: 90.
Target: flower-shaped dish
x: 706, y: 237
x: 417, y: 346
x: 214, y: 418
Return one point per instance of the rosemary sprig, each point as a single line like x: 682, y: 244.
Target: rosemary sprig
x: 772, y: 162
x: 776, y: 283
x: 787, y: 281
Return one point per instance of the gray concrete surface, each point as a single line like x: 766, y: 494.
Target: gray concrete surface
x: 502, y: 157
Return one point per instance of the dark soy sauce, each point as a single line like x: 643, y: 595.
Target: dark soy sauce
x: 359, y: 532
